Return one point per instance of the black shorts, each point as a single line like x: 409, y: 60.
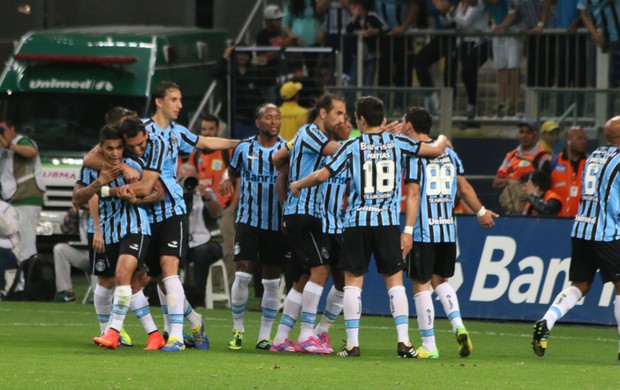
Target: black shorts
x: 168, y: 238
x: 359, y: 243
x: 256, y: 244
x: 334, y: 246
x: 589, y: 256
x: 309, y: 243
x: 426, y: 259
x: 98, y: 261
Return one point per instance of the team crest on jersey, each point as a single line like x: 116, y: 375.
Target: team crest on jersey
x: 100, y: 266
x: 217, y: 165
x: 324, y: 253
x: 236, y: 249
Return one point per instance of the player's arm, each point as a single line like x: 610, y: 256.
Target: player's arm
x: 411, y: 214
x: 127, y: 194
x: 331, y: 148
x: 93, y: 208
x: 94, y: 159
x: 81, y: 193
x: 228, y: 182
x: 469, y: 196
x: 216, y: 143
x: 315, y: 178
x: 282, y: 183
x: 282, y: 156
x: 433, y: 149
x: 141, y: 188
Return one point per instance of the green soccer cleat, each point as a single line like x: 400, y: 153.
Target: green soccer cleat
x: 124, y: 339
x: 424, y: 354
x: 237, y: 340
x: 464, y: 341
x: 539, y: 340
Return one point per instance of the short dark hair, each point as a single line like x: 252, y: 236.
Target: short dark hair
x: 210, y: 118
x: 371, y: 108
x: 109, y: 132
x: 327, y: 102
x: 160, y: 90
x: 131, y: 126
x: 261, y: 109
x: 420, y: 119
x: 117, y: 114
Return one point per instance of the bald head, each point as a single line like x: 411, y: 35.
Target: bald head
x: 612, y: 131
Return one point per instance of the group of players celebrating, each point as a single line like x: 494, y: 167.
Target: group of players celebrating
x: 321, y: 202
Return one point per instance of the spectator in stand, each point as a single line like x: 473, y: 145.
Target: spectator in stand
x: 211, y: 165
x: 370, y: 25
x: 566, y: 170
x: 21, y: 184
x: 506, y: 54
x: 527, y: 157
x: 9, y: 243
x: 469, y: 17
x: 293, y: 115
x: 540, y: 200
x: 550, y: 135
x: 302, y: 22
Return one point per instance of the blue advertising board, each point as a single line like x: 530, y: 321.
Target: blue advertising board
x: 510, y: 272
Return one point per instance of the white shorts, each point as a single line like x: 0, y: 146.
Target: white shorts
x: 507, y: 52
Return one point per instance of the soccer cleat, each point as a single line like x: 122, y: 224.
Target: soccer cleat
x: 353, y: 352
x: 313, y: 345
x: 64, y: 296
x: 173, y: 345
x: 108, y: 340
x: 264, y: 344
x: 237, y: 340
x: 464, y: 341
x: 286, y: 346
x: 324, y: 339
x: 188, y: 340
x: 201, y: 341
x: 124, y: 339
x: 424, y: 354
x: 156, y: 341
x: 406, y: 351
x: 541, y: 334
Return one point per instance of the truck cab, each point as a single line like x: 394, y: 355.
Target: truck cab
x: 58, y: 84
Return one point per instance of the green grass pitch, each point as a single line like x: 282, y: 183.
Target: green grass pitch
x: 48, y: 346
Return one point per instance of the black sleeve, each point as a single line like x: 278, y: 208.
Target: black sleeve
x: 550, y: 207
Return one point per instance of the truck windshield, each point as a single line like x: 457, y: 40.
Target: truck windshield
x: 63, y: 122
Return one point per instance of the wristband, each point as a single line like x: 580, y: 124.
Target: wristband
x: 105, y: 191
x: 481, y: 212
x: 408, y: 230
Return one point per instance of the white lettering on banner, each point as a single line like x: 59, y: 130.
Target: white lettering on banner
x: 508, y: 247
x: 54, y: 83
x: 516, y: 294
x: 556, y: 266
x: 608, y: 293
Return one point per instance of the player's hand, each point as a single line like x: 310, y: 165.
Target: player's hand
x: 295, y: 188
x: 125, y: 193
x: 395, y: 127
x: 98, y: 242
x: 130, y: 174
x: 486, y: 221
x: 108, y: 174
x: 406, y: 243
x: 226, y: 187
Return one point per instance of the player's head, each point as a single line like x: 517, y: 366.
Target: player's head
x: 420, y: 120
x: 268, y: 120
x: 612, y: 131
x: 576, y: 140
x: 209, y: 125
x: 369, y: 111
x: 343, y: 130
x: 111, y: 144
x: 328, y: 112
x: 134, y: 136
x: 117, y: 114
x: 167, y: 99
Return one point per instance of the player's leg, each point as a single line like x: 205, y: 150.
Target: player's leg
x: 335, y: 297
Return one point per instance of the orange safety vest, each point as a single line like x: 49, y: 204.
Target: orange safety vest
x: 567, y: 183
x: 210, y: 167
x: 520, y: 165
x: 546, y: 197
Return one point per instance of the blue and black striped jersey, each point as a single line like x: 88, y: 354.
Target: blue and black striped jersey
x: 306, y: 157
x: 117, y: 217
x: 598, y: 217
x: 374, y: 163
x: 258, y: 196
x: 437, y: 178
x: 177, y: 137
x: 333, y: 194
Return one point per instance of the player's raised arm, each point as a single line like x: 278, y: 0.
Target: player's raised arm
x: 216, y: 143
x: 434, y: 149
x: 315, y: 178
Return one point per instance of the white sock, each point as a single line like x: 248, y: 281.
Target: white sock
x: 400, y: 312
x: 269, y: 307
x: 617, y: 315
x: 563, y: 303
x: 194, y: 319
x: 164, y: 309
x: 310, y: 302
x: 290, y: 312
x: 333, y: 308
x: 103, y: 306
x: 426, y: 317
x: 120, y: 307
x: 239, y: 297
x: 352, y: 309
x: 450, y: 303
x: 140, y: 307
x: 175, y: 298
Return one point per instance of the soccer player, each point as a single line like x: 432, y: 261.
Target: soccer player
x: 302, y: 220
x: 595, y: 235
x: 373, y: 161
x: 126, y: 232
x: 432, y: 185
x: 257, y: 230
